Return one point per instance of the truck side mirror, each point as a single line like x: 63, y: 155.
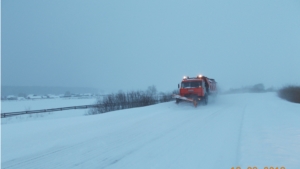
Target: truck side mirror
x: 178, y: 86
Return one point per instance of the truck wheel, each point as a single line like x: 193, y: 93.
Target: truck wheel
x: 205, y: 100
x: 195, y: 102
x: 177, y: 101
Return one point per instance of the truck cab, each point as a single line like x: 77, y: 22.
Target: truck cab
x: 196, y: 89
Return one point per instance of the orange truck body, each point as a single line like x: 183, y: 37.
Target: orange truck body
x: 196, y: 89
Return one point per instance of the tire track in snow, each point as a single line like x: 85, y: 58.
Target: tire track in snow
x: 115, y: 160
x: 46, y: 160
x: 196, y: 129
x: 192, y: 121
x: 31, y: 161
x: 238, y: 151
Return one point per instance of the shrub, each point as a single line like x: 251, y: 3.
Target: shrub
x: 290, y: 93
x: 131, y: 99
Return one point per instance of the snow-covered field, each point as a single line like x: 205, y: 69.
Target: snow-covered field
x: 23, y: 105
x: 243, y: 130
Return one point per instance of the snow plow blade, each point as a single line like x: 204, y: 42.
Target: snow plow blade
x: 185, y: 98
x: 182, y: 98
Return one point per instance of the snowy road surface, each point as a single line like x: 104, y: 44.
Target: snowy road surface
x: 234, y: 130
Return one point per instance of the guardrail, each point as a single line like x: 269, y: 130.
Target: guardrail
x: 9, y: 114
x: 140, y: 104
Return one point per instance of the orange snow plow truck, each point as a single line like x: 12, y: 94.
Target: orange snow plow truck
x: 196, y: 89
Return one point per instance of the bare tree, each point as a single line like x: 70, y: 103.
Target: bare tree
x: 127, y: 100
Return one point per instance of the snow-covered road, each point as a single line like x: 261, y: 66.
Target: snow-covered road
x: 234, y: 130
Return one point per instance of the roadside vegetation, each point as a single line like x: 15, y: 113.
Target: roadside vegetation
x: 132, y: 99
x: 290, y: 93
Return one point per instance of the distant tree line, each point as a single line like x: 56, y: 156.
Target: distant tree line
x: 122, y: 100
x: 257, y: 88
x: 43, y: 90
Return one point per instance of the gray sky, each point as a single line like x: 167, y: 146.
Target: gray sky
x: 127, y: 45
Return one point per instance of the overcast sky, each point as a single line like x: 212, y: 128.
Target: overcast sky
x: 132, y: 44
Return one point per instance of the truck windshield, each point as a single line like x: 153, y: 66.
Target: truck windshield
x: 191, y: 84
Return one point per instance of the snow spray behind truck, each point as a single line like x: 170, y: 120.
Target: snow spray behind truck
x: 196, y: 89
